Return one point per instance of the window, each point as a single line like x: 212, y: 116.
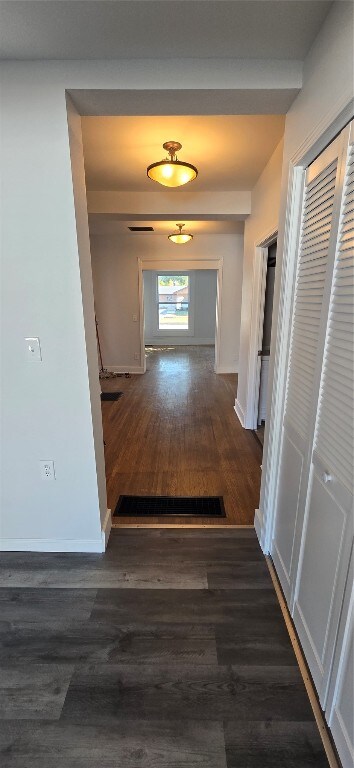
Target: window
x: 173, y: 303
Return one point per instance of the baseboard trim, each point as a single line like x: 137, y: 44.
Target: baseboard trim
x: 239, y: 413
x: 51, y: 545
x: 106, y: 529
x: 226, y: 368
x: 125, y: 368
x: 166, y: 341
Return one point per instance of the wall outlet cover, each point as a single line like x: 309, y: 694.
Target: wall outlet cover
x: 47, y: 469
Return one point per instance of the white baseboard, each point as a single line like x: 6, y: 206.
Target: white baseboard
x: 189, y: 341
x: 239, y: 413
x: 125, y: 368
x: 51, y: 545
x: 106, y: 529
x: 61, y: 545
x: 226, y: 369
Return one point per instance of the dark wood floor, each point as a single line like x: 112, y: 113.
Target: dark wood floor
x: 175, y: 432
x: 168, y: 651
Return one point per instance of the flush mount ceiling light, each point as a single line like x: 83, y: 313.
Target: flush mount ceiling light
x: 180, y: 237
x: 172, y: 172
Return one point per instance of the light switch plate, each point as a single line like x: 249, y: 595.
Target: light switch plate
x: 33, y: 349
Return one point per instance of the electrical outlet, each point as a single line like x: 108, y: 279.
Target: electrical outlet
x: 136, y: 355
x: 47, y: 469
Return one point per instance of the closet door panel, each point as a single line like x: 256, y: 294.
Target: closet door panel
x: 288, y: 500
x: 341, y: 712
x: 318, y: 214
x: 323, y: 550
x: 328, y: 531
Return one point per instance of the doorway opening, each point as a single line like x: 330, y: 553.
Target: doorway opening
x: 175, y: 433
x: 181, y: 308
x: 264, y: 349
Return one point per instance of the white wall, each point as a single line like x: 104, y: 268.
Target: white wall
x: 203, y: 298
x: 115, y: 280
x: 265, y: 202
x: 48, y: 407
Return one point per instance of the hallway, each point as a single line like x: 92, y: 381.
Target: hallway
x: 168, y: 651
x: 175, y: 432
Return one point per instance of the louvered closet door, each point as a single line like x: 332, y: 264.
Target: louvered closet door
x: 328, y: 530
x: 318, y: 225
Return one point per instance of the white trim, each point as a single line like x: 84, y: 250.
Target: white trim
x: 279, y: 359
x: 155, y: 341
x: 219, y: 279
x: 106, y: 529
x: 239, y: 412
x: 179, y: 265
x: 256, y: 330
x: 61, y: 545
x: 258, y: 521
x: 325, y: 131
x: 126, y: 368
x: 52, y: 545
x: 232, y: 368
x: 141, y: 324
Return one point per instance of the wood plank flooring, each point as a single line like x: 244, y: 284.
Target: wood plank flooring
x: 132, y: 669
x: 175, y: 432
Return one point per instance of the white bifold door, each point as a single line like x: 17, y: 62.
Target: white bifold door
x: 314, y: 517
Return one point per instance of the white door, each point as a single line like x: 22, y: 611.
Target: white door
x: 340, y: 705
x: 320, y: 215
x: 328, y: 525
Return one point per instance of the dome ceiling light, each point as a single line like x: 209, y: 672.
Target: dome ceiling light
x: 172, y: 172
x: 180, y: 237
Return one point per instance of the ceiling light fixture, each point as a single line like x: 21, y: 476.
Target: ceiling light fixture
x: 172, y: 172
x: 180, y: 237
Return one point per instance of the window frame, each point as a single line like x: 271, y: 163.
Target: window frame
x: 183, y: 332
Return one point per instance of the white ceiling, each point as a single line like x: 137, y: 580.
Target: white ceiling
x: 230, y: 152
x: 102, y: 29
x: 110, y: 226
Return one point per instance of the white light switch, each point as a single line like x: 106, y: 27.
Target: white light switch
x: 33, y: 350
x: 135, y: 318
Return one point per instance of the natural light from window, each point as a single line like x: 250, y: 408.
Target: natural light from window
x: 173, y: 302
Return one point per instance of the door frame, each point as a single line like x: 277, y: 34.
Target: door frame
x: 256, y: 330
x: 181, y: 265
x: 314, y: 144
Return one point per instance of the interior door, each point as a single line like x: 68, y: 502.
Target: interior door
x: 328, y: 529
x: 320, y: 215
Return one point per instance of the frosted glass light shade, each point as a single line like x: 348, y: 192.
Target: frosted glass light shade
x: 172, y: 173
x: 181, y: 238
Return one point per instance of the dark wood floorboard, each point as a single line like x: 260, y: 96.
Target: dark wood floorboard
x: 200, y: 675
x: 175, y: 433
